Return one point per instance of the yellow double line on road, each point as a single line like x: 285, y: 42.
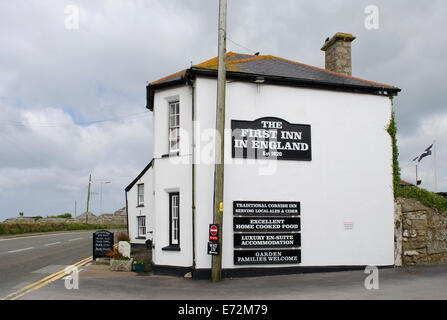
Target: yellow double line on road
x: 43, y: 282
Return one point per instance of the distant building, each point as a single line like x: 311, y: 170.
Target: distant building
x: 106, y: 215
x: 404, y: 183
x: 83, y: 216
x: 120, y: 212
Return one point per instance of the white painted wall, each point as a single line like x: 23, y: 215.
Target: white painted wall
x: 147, y: 210
x: 348, y: 179
x: 172, y: 174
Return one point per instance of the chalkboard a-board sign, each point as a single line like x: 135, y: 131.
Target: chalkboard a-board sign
x: 102, y: 242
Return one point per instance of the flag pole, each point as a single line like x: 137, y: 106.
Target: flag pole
x: 435, y: 169
x: 416, y: 174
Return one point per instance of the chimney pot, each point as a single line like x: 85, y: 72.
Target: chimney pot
x: 338, y: 53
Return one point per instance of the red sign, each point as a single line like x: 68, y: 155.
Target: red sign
x: 214, y: 231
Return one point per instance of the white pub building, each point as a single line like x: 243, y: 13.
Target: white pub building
x: 308, y: 182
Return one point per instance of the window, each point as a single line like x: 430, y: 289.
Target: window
x: 174, y: 127
x: 141, y: 226
x: 140, y: 195
x: 174, y: 217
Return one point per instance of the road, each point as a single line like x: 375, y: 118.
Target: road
x: 427, y: 282
x: 29, y: 258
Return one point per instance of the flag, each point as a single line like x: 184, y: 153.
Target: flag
x: 426, y: 153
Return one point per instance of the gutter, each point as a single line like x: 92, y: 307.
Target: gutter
x: 251, y: 77
x: 150, y: 90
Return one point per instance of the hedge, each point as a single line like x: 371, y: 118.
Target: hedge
x: 20, y: 228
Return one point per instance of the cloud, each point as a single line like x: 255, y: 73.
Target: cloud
x: 56, y: 82
x: 48, y: 151
x: 430, y: 129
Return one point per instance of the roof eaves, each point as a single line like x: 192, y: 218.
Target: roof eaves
x: 127, y: 189
x: 366, y: 88
x: 151, y: 87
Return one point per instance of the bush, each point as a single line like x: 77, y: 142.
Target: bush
x: 63, y: 216
x: 429, y: 199
x: 115, y: 254
x: 392, y: 131
x: 123, y: 236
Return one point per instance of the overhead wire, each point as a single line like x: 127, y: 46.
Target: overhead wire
x: 49, y: 125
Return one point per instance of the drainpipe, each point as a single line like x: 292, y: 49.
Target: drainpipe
x: 127, y: 215
x: 193, y: 176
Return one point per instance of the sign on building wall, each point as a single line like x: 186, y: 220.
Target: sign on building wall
x: 267, y: 256
x: 260, y: 208
x: 266, y: 232
x: 244, y: 224
x: 271, y: 138
x: 269, y: 240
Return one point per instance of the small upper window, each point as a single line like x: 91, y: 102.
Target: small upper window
x: 174, y: 126
x: 141, y: 194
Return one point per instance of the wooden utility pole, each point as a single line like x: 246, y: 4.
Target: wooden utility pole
x: 88, y: 197
x: 216, y: 269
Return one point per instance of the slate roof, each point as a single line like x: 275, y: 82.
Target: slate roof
x: 404, y: 183
x: 275, y: 66
x: 277, y: 70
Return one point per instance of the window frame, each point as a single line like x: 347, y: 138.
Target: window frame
x: 172, y: 241
x: 174, y: 126
x: 141, y: 218
x: 140, y: 203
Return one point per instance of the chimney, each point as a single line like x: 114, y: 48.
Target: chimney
x: 338, y: 53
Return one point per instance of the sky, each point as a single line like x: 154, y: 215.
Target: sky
x: 72, y: 91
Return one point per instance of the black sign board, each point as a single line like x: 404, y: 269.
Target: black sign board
x: 267, y: 232
x: 213, y: 248
x: 266, y: 224
x: 270, y: 138
x: 267, y: 256
x: 266, y: 208
x: 267, y: 240
x: 103, y: 241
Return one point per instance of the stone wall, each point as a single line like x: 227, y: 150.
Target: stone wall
x: 110, y: 220
x: 420, y: 234
x: 105, y: 220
